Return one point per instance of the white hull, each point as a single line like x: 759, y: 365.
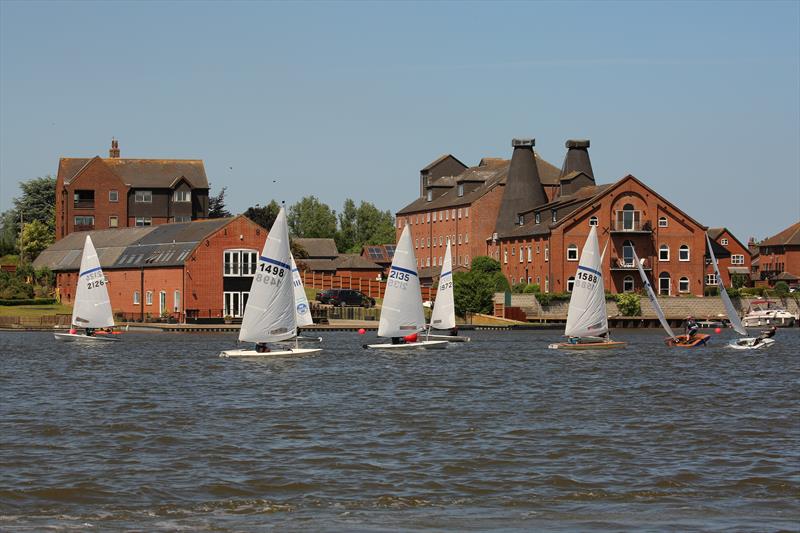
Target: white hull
x: 273, y: 353
x: 302, y: 339
x: 448, y: 338
x: 779, y: 319
x: 427, y: 345
x: 81, y: 337
x: 747, y: 344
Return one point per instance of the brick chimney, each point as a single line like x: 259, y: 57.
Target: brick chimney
x: 523, y: 190
x: 114, y: 152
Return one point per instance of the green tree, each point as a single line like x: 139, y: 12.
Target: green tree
x: 216, y: 205
x: 473, y: 290
x: 8, y: 232
x: 263, y: 215
x: 365, y: 224
x: 34, y: 238
x: 38, y: 201
x: 739, y: 280
x: 485, y: 264
x: 347, y: 236
x: 781, y: 288
x: 629, y: 303
x: 311, y: 218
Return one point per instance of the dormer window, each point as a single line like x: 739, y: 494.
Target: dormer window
x: 461, y: 189
x: 554, y: 215
x: 537, y: 218
x: 183, y: 196
x: 521, y: 220
x: 430, y: 195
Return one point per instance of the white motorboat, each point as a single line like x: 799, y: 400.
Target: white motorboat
x: 271, y: 312
x: 92, y: 310
x: 767, y: 313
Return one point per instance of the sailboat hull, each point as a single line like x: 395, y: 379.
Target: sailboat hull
x: 81, y: 337
x: 747, y: 344
x: 421, y: 345
x: 273, y: 353
x: 448, y: 338
x: 610, y: 345
x: 701, y: 339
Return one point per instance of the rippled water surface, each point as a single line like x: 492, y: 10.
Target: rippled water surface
x: 158, y: 433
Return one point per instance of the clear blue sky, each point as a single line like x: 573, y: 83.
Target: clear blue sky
x: 700, y: 100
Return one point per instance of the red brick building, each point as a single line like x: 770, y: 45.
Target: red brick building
x: 191, y: 270
x: 733, y: 257
x: 104, y: 193
x: 779, y: 257
x: 534, y: 219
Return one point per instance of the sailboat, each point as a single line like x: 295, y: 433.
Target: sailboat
x: 271, y: 315
x: 302, y: 310
x: 402, y: 316
x: 92, y: 306
x: 673, y: 340
x: 443, y: 316
x: 587, y: 320
x: 743, y: 342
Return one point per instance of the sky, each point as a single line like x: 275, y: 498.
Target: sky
x: 700, y: 100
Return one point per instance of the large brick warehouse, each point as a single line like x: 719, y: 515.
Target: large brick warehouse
x: 186, y: 271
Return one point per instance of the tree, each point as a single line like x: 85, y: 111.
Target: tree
x: 347, y: 236
x: 310, y: 218
x: 264, y: 216
x: 473, y: 290
x: 485, y: 264
x: 34, y: 238
x: 365, y: 224
x: 38, y: 201
x: 739, y: 280
x: 8, y: 232
x: 216, y: 205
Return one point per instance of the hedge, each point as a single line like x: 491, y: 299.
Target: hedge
x: 29, y: 301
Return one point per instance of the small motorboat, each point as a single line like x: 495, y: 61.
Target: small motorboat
x: 767, y: 313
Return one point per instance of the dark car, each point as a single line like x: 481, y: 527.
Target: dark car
x: 343, y: 297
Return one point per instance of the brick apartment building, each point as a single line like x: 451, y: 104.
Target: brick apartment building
x: 779, y: 258
x: 102, y: 193
x: 534, y: 219
x: 733, y: 257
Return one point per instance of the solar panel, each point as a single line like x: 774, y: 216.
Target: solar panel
x: 375, y: 252
x: 390, y: 248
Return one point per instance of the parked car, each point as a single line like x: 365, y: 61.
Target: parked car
x: 343, y: 297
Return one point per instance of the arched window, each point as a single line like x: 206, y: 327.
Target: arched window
x: 572, y: 252
x: 570, y: 283
x: 683, y: 285
x: 629, y: 216
x: 663, y: 253
x: 627, y: 284
x: 627, y: 253
x: 683, y: 253
x: 662, y: 222
x: 592, y: 221
x: 664, y: 284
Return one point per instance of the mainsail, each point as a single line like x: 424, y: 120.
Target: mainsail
x: 301, y: 308
x: 444, y: 311
x: 92, y: 306
x: 652, y: 296
x: 586, y: 316
x: 733, y: 316
x: 270, y: 312
x: 401, y: 313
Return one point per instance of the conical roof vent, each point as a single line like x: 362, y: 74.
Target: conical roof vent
x: 577, y: 158
x: 523, y: 190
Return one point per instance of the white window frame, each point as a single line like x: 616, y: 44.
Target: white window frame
x: 554, y: 215
x: 593, y: 221
x: 176, y: 301
x: 737, y: 259
x: 723, y: 242
x: 505, y: 256
x: 115, y: 197
x: 148, y: 298
x: 570, y: 283
x: 572, y: 252
x: 143, y: 222
x: 143, y: 197
x: 86, y: 220
x: 547, y: 253
x: 684, y: 248
x: 429, y: 217
x: 136, y: 298
x: 466, y: 212
x: 461, y: 189
x: 684, y: 282
x: 663, y: 248
x: 429, y: 195
x: 244, y: 265
x: 459, y: 213
x: 663, y: 222
x: 661, y: 287
x: 182, y: 218
x: 162, y: 302
x: 115, y: 223
x: 547, y: 284
x: 537, y: 218
x: 521, y: 254
x: 182, y: 196
x: 416, y: 243
x: 628, y: 284
x: 711, y: 279
x: 530, y: 255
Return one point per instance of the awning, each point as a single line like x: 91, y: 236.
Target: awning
x: 738, y: 270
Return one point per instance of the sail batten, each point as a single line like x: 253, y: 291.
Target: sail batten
x: 444, y: 311
x: 586, y: 316
x: 733, y: 316
x: 92, y: 305
x: 402, y: 312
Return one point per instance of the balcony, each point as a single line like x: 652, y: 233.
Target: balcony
x: 83, y: 199
x: 627, y: 263
x: 635, y: 226
x: 84, y: 227
x: 84, y: 204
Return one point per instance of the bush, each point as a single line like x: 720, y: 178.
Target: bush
x: 519, y: 288
x: 531, y: 288
x: 733, y: 292
x: 29, y: 301
x: 781, y: 288
x: 14, y: 288
x: 751, y: 291
x: 711, y: 291
x: 544, y: 298
x: 629, y: 304
x: 739, y: 280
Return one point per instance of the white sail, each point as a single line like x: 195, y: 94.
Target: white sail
x: 652, y: 296
x: 301, y: 309
x: 401, y: 313
x: 444, y: 310
x: 733, y: 316
x: 586, y: 316
x: 270, y: 312
x: 92, y: 306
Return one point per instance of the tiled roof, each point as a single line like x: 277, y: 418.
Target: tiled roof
x: 318, y: 265
x: 790, y: 236
x: 714, y: 233
x: 355, y: 262
x: 318, y: 248
x: 155, y: 173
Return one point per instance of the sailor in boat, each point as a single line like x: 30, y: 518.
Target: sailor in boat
x: 261, y: 347
x: 766, y: 334
x: 90, y: 332
x: 691, y: 328
x: 454, y: 331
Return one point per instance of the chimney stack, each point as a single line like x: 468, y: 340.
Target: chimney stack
x: 114, y: 152
x: 577, y: 158
x: 523, y: 190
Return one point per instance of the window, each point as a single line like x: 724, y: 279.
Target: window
x: 627, y: 284
x: 466, y: 238
x: 162, y: 302
x: 459, y: 214
x: 434, y: 242
x: 627, y: 219
x: 627, y: 254
x: 416, y: 243
x: 592, y: 221
x: 664, y: 284
x: 663, y: 253
x: 683, y: 285
x: 513, y: 251
x: 683, y: 253
x: 711, y: 279
x: 521, y: 220
x: 136, y: 297
x: 554, y: 214
x: 430, y: 195
x: 505, y: 256
x: 434, y: 216
x: 238, y: 263
x: 148, y: 298
x: 428, y: 262
x: 440, y: 240
x: 461, y: 189
x: 87, y: 220
x: 113, y: 221
x: 83, y: 199
x: 113, y: 196
x: 723, y: 242
x: 183, y: 196
x: 466, y: 212
x: 144, y: 221
x: 176, y: 300
x: 570, y: 283
x: 537, y: 218
x: 547, y: 284
x: 537, y: 248
x: 737, y: 259
x: 459, y: 238
x: 429, y: 217
x: 521, y: 254
x: 530, y: 257
x: 143, y: 197
x: 662, y: 222
x: 572, y: 252
x: 182, y: 219
x: 429, y: 242
x: 546, y: 253
x: 453, y: 214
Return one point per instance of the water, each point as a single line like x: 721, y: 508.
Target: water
x: 157, y: 433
